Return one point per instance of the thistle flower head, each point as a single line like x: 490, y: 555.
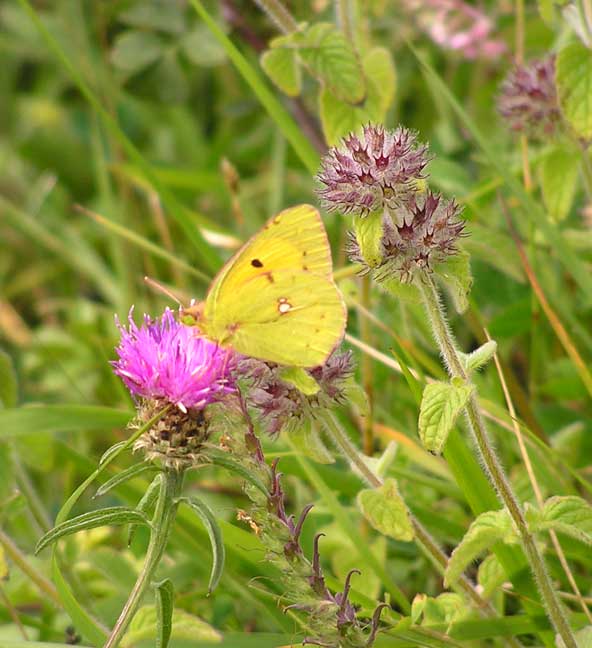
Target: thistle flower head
x: 165, y: 363
x: 371, y: 171
x: 168, y: 361
x: 528, y: 99
x: 421, y: 233
x: 458, y: 26
x: 281, y: 405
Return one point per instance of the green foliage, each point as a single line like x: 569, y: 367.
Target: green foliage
x: 574, y: 83
x: 456, y: 275
x: 559, y: 172
x: 570, y: 515
x: 369, y: 230
x: 386, y: 511
x: 282, y: 66
x: 164, y: 592
x: 480, y: 356
x: 306, y: 438
x: 440, y: 406
x: 487, y: 529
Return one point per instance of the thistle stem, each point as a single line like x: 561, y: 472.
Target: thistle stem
x: 422, y: 536
x: 279, y: 14
x: 162, y: 522
x: 445, y: 340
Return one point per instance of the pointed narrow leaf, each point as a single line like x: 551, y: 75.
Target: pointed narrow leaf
x: 146, y: 503
x: 205, y: 514
x: 567, y: 514
x: 224, y: 461
x: 440, y: 405
x: 487, y: 529
x: 112, y: 516
x: 164, y: 612
x: 123, y: 476
x: 456, y: 275
x: 386, y: 511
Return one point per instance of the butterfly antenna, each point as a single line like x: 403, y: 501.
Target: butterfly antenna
x: 158, y: 287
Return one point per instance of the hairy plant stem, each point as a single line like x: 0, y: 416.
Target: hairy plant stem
x: 422, y: 536
x: 445, y: 340
x: 279, y: 14
x: 162, y: 522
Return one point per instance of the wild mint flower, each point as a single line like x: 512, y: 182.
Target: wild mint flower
x: 281, y: 405
x: 458, y: 26
x: 374, y: 170
x: 415, y: 237
x: 528, y: 99
x: 163, y: 362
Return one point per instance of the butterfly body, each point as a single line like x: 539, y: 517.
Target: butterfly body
x: 276, y: 299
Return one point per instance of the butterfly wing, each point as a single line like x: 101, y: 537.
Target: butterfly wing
x: 276, y: 299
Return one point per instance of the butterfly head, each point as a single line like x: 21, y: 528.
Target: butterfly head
x: 193, y: 315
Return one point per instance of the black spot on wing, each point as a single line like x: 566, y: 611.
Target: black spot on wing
x: 256, y: 263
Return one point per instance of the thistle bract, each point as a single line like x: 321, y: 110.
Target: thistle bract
x: 372, y: 171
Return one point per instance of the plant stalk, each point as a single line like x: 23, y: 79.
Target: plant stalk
x: 445, y: 340
x: 164, y: 516
x: 279, y: 14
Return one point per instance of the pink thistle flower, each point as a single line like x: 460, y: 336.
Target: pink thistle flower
x: 528, y: 99
x: 456, y: 25
x: 377, y: 169
x: 167, y: 361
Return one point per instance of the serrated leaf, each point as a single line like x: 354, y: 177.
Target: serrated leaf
x: 307, y: 440
x: 569, y: 514
x: 331, y: 58
x: 3, y: 564
x: 490, y: 575
x: 164, y: 612
x: 446, y: 608
x: 203, y: 511
x: 339, y: 118
x: 300, y: 379
x: 368, y: 230
x: 487, y: 529
x: 112, y: 516
x: 574, y: 86
x: 121, y: 477
x: 440, y: 405
x: 135, y: 50
x: 282, y: 67
x: 558, y: 173
x: 185, y: 627
x: 386, y: 511
x: 8, y: 381
x: 479, y: 357
x: 456, y: 275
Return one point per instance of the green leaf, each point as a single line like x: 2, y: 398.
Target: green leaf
x: 487, y: 529
x: 569, y: 514
x: 386, y: 511
x: 339, y: 118
x: 7, y: 477
x: 368, y: 230
x: 574, y: 85
x: 146, y: 503
x: 490, y: 575
x: 3, y: 564
x: 305, y: 437
x: 201, y: 47
x: 440, y: 405
x: 547, y: 10
x: 164, y: 612
x: 455, y: 273
x: 301, y: 379
x: 161, y: 16
x: 447, y: 608
x: 223, y: 460
x: 115, y: 515
x: 60, y: 418
x: 332, y: 60
x: 135, y: 50
x: 8, y: 381
x: 185, y: 626
x: 129, y: 473
x: 558, y: 173
x: 282, y: 67
x: 479, y: 357
x: 205, y: 514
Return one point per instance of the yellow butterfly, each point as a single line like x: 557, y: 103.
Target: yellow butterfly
x: 275, y: 299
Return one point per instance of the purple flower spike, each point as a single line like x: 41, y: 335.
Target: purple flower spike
x: 166, y: 360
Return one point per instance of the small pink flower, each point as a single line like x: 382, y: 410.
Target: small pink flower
x: 166, y: 360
